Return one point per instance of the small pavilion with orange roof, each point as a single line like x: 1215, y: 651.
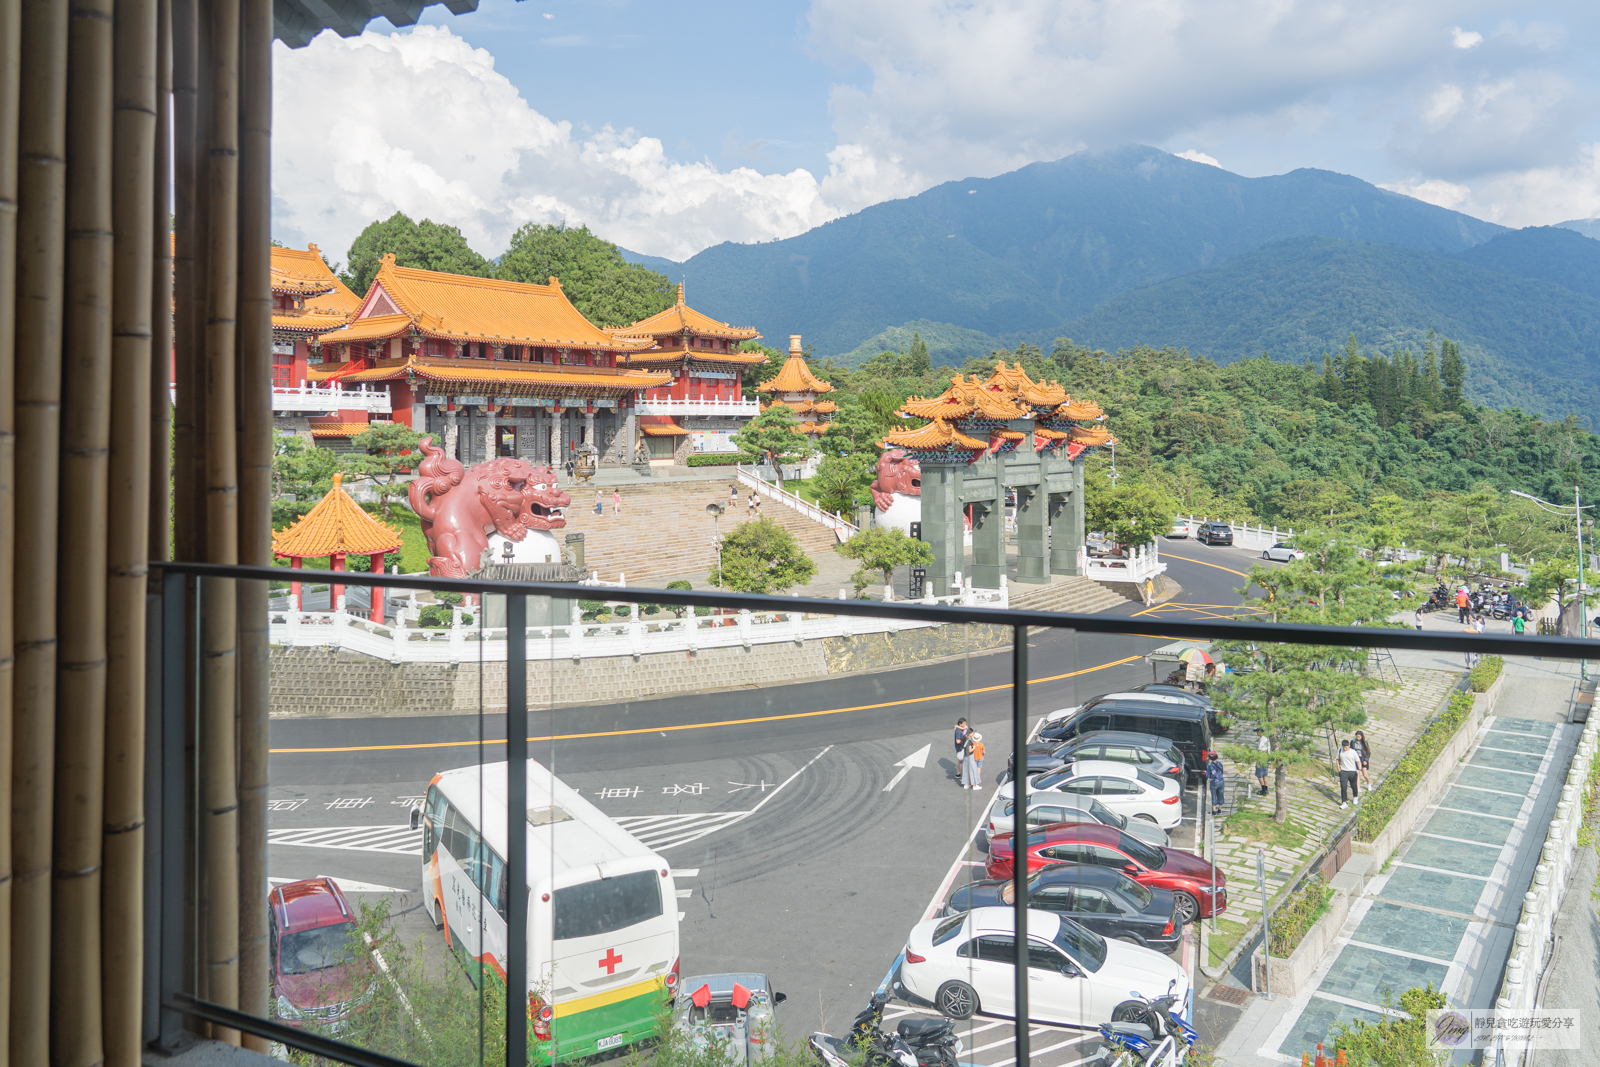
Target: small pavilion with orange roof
x: 337, y: 527
x: 983, y: 438
x: 702, y: 405
x: 796, y: 388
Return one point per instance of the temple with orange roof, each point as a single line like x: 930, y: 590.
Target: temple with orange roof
x: 336, y: 528
x: 982, y: 438
x: 702, y: 405
x: 796, y: 388
x: 490, y: 368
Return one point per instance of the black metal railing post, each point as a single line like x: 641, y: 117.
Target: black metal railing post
x: 517, y: 830
x: 1019, y: 829
x: 166, y: 845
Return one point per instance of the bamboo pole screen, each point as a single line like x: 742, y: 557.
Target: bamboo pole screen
x: 114, y: 113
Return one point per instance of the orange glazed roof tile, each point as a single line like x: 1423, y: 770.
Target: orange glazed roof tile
x: 1082, y: 410
x: 670, y: 355
x: 944, y: 406
x: 664, y: 431
x: 371, y: 328
x: 336, y: 524
x: 339, y: 429
x: 326, y: 305
x: 1089, y: 436
x: 680, y: 317
x: 456, y: 307
x: 499, y: 373
x: 795, y: 377
x: 936, y: 434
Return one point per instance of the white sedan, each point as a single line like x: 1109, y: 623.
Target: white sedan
x: 964, y: 964
x: 1045, y: 809
x: 1283, y: 552
x: 1125, y: 789
x: 1180, y: 528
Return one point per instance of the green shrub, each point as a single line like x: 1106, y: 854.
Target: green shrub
x: 1481, y: 677
x: 1380, y: 804
x: 1395, y: 1041
x: 449, y: 599
x: 719, y: 459
x: 437, y: 617
x: 1298, y: 914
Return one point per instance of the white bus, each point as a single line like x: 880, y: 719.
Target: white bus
x: 602, y: 910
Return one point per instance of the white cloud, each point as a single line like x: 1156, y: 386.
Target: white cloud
x: 1198, y: 156
x: 1432, y: 191
x: 1465, y: 39
x: 424, y: 124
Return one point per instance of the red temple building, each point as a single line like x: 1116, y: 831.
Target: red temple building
x: 702, y: 405
x: 490, y: 368
x: 796, y: 388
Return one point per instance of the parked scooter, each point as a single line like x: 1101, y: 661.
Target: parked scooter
x: 1159, y: 1038
x: 881, y: 1049
x: 933, y: 1040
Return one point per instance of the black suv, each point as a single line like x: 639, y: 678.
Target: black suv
x: 1214, y: 533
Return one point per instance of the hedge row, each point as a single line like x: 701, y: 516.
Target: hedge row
x: 1481, y: 677
x: 719, y: 459
x: 1298, y: 914
x: 1379, y: 805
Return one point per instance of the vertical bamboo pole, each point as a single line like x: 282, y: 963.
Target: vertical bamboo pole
x: 75, y: 1018
x: 10, y: 59
x: 188, y: 527
x: 255, y: 497
x: 160, y: 506
x: 41, y: 224
x: 219, y: 618
x: 122, y: 909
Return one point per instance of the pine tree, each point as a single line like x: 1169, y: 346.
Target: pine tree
x: 1332, y: 387
x: 917, y: 361
x: 1453, y: 374
x: 1431, y: 386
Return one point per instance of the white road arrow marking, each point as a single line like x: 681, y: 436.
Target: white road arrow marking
x: 919, y: 758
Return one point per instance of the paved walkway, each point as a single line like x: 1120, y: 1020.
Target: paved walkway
x: 1394, y: 718
x: 1445, y: 910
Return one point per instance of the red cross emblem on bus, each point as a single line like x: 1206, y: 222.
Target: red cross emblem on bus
x: 610, y: 961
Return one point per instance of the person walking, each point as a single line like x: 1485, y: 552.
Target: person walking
x: 1417, y: 616
x: 599, y: 505
x: 750, y: 505
x: 1463, y: 605
x: 1349, y: 766
x: 616, y: 503
x: 1363, y: 750
x: 1518, y: 626
x: 733, y: 495
x: 962, y: 730
x: 975, y: 760
x: 1263, y: 749
x: 1219, y: 782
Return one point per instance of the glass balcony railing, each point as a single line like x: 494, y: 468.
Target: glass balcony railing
x: 541, y: 823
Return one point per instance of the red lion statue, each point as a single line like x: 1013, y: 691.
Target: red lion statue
x: 897, y: 473
x: 460, y: 508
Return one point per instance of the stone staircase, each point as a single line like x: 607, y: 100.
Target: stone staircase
x: 1082, y: 595
x: 664, y: 530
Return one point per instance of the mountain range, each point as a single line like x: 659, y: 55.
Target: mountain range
x: 1135, y: 245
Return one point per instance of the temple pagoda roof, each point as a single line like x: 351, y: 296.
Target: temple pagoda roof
x: 661, y: 356
x: 457, y: 307
x: 966, y: 398
x: 805, y: 407
x: 1013, y: 380
x: 937, y: 434
x: 795, y: 377
x: 337, y: 524
x: 681, y: 318
x: 501, y: 377
x: 1089, y: 436
x: 326, y: 303
x: 1081, y: 410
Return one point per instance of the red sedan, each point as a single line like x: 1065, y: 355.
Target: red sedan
x: 1188, y: 876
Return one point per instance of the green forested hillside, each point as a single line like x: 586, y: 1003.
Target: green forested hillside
x: 1549, y: 253
x: 948, y: 346
x: 1530, y: 343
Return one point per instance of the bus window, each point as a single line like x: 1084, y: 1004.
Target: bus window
x: 606, y: 905
x: 432, y: 821
x: 457, y: 837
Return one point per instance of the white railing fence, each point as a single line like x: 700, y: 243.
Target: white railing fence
x: 1142, y: 564
x: 842, y: 527
x: 1244, y: 534
x: 699, y: 406
x: 330, y: 398
x: 631, y: 634
x: 1520, y: 988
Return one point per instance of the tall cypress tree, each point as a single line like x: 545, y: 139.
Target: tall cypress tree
x: 1452, y: 374
x: 1332, y: 387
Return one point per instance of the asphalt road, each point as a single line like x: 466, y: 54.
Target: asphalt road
x: 803, y: 844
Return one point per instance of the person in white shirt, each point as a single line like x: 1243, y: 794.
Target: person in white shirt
x: 1263, y: 749
x: 1349, y: 767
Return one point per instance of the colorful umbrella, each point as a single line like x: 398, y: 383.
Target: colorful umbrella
x: 1193, y: 655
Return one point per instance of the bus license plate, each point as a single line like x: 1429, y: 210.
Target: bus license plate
x: 609, y: 1042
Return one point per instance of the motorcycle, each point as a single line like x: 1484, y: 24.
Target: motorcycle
x: 934, y: 1041
x: 1159, y: 1038
x: 881, y: 1050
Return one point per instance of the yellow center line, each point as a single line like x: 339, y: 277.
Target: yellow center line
x: 1203, y: 563
x: 708, y: 725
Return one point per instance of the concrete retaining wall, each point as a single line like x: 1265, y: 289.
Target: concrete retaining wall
x: 1289, y: 976
x: 318, y: 682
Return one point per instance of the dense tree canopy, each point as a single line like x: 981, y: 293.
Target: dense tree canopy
x: 606, y: 288
x: 425, y: 245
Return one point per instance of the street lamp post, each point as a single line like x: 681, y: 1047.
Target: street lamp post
x: 1577, y: 522
x: 715, y: 511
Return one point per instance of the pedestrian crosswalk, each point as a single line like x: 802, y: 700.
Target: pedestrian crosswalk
x: 400, y: 840
x: 661, y: 832
x: 991, y: 1042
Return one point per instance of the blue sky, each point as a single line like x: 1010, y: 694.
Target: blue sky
x: 668, y: 128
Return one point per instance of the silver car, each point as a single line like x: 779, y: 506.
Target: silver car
x: 1283, y: 552
x: 1047, y: 808
x: 732, y: 1013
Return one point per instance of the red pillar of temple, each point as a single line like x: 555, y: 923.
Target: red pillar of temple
x: 376, y: 565
x: 294, y: 586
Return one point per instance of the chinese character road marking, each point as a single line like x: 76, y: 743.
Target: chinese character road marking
x: 409, y: 802
x: 693, y: 790
x: 619, y: 792
x: 762, y: 785
x: 348, y: 802
x: 285, y: 805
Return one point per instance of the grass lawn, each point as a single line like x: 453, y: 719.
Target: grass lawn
x: 1222, y: 941
x: 1258, y: 826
